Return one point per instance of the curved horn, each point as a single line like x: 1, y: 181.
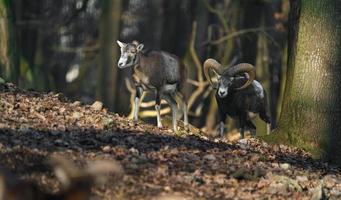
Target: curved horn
x: 246, y: 68
x: 215, y: 66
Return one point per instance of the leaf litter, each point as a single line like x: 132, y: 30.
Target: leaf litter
x: 157, y: 163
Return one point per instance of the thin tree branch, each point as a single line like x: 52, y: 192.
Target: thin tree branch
x: 194, y: 53
x: 237, y: 33
x: 197, y: 83
x: 219, y: 14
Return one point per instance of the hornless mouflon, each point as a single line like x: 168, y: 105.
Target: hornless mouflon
x: 158, y: 71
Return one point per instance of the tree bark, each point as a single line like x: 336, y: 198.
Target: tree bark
x: 4, y: 37
x: 275, y: 55
x: 311, y: 112
x: 112, y: 89
x: 250, y: 18
x: 176, y: 26
x: 9, y: 68
x: 107, y: 74
x: 105, y: 34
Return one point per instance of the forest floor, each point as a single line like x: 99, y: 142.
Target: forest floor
x: 156, y: 163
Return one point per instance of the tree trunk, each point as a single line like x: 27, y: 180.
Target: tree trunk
x: 311, y: 114
x: 275, y: 54
x: 176, y: 26
x: 112, y: 89
x: 4, y: 36
x: 105, y: 22
x: 109, y: 30
x: 250, y: 18
x: 8, y: 58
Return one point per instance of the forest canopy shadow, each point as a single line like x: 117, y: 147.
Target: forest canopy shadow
x: 26, y: 151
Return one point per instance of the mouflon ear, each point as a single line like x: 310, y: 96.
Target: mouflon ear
x: 121, y: 44
x: 140, y: 47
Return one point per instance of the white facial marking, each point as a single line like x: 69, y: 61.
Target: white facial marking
x: 258, y: 88
x: 222, y: 92
x: 123, y: 60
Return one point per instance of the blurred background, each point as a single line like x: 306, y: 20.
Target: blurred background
x: 69, y: 46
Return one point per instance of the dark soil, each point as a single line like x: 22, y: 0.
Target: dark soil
x: 157, y: 163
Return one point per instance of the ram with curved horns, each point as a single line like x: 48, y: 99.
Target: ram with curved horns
x: 238, y: 94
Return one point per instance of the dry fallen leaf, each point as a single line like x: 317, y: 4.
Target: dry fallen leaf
x: 34, y: 126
